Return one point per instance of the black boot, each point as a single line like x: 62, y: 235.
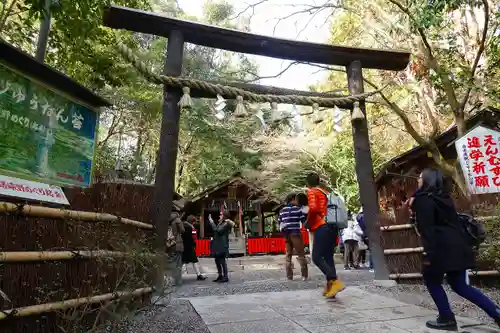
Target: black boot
x: 218, y: 278
x: 201, y: 277
x: 225, y: 279
x: 443, y: 324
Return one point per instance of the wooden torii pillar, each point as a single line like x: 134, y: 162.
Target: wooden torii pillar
x: 179, y: 31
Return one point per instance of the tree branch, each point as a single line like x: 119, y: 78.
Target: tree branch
x: 433, y: 64
x: 479, y: 53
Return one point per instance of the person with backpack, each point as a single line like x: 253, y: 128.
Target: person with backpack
x: 220, y: 244
x: 324, y: 235
x: 175, y: 245
x: 290, y: 220
x: 448, y: 249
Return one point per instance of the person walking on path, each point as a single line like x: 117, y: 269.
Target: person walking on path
x: 189, y: 254
x: 360, y: 218
x: 351, y: 237
x: 175, y: 245
x: 220, y: 244
x: 324, y: 236
x: 290, y: 220
x: 446, y: 250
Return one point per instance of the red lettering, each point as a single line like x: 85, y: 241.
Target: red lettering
x: 482, y: 181
x: 493, y: 160
x: 476, y: 154
x: 488, y: 140
x: 490, y: 150
x: 478, y: 167
x: 496, y: 181
x: 496, y: 170
x: 473, y: 142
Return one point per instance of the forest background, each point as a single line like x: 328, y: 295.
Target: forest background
x: 454, y: 71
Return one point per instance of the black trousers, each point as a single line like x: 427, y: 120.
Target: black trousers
x: 220, y: 262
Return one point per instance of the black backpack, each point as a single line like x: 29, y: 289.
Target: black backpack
x: 473, y: 230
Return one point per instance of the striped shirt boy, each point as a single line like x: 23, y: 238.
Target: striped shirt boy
x: 290, y: 218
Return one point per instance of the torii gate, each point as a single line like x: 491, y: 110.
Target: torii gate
x: 180, y: 31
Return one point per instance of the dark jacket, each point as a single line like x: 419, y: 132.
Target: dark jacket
x: 189, y: 254
x: 445, y: 245
x: 220, y: 242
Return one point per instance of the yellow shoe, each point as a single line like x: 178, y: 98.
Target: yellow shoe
x: 335, y: 287
x: 327, y: 287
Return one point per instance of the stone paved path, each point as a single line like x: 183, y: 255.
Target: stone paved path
x: 301, y: 311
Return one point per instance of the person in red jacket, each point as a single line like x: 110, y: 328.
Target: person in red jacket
x: 324, y: 235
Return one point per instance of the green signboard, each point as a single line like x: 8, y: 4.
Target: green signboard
x: 44, y: 136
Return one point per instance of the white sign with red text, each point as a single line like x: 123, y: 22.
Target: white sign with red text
x: 478, y: 153
x: 25, y: 189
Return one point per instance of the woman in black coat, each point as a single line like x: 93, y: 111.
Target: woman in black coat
x: 446, y: 250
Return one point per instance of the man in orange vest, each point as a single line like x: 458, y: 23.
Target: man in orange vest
x: 324, y: 235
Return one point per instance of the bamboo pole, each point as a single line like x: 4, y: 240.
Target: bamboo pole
x: 419, y: 249
x: 410, y: 226
x: 30, y: 210
x: 25, y: 256
x: 405, y: 250
x: 486, y: 218
x: 419, y: 275
x: 396, y: 227
x: 71, y: 303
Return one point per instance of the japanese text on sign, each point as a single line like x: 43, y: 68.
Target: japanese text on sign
x: 19, y: 188
x: 478, y: 152
x: 46, y: 136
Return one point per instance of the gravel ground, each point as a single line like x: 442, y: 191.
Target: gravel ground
x: 418, y: 295
x: 177, y: 317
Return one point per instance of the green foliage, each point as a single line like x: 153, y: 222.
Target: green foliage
x: 490, y: 254
x: 336, y: 169
x: 215, y: 149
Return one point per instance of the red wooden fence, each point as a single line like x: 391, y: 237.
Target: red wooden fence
x: 261, y: 245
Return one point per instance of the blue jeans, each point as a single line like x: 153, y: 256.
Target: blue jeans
x: 458, y: 283
x: 325, y: 238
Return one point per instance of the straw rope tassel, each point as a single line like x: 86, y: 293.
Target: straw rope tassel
x: 232, y: 92
x: 318, y: 118
x: 357, y: 114
x: 240, y: 110
x: 186, y: 101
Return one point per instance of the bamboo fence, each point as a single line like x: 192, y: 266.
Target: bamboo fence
x: 47, y: 262
x: 71, y: 303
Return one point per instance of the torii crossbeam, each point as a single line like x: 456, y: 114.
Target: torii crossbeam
x: 180, y: 31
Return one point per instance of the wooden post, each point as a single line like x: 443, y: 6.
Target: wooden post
x: 364, y: 173
x: 169, y: 140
